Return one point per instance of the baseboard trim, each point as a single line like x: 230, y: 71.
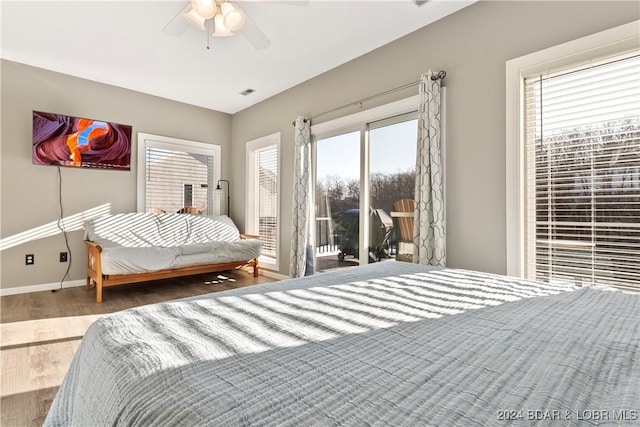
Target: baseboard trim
x: 41, y: 287
x: 272, y: 274
x: 75, y: 283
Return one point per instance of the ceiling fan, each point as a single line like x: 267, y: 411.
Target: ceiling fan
x: 219, y: 18
x: 223, y: 18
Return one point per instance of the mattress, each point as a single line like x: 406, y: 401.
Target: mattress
x: 385, y: 344
x: 142, y: 242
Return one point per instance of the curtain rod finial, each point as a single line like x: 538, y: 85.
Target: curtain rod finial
x: 440, y: 75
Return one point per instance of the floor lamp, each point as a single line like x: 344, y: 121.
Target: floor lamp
x: 218, y: 188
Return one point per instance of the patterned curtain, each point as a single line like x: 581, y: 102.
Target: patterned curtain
x: 429, y: 224
x: 301, y: 242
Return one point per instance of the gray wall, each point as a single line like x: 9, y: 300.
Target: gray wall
x: 472, y: 45
x: 29, y: 193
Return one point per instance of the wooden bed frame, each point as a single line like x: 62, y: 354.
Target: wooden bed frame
x: 96, y: 278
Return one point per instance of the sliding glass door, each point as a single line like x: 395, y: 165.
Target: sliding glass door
x: 364, y: 191
x: 337, y: 204
x: 392, y: 181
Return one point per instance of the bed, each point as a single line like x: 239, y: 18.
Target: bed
x: 389, y: 343
x: 136, y: 247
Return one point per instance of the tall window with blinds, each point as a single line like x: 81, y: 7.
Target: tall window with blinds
x: 176, y: 175
x: 263, y: 193
x: 582, y: 136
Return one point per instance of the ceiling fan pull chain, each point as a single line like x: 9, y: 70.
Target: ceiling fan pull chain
x: 208, y: 31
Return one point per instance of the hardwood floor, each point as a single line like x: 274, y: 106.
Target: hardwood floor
x: 41, y: 331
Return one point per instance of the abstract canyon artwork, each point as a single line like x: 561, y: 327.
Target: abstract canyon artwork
x: 79, y: 142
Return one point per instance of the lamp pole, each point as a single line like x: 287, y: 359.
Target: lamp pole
x: 228, y: 193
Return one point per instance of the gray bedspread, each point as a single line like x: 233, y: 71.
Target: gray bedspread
x: 385, y: 344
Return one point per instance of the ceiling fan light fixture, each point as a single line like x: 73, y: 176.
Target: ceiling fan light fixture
x: 205, y: 8
x: 220, y: 30
x: 233, y: 16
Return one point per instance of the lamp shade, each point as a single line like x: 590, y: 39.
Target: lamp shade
x: 233, y: 16
x: 204, y: 8
x: 195, y: 19
x: 220, y: 30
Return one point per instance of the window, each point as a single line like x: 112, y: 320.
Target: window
x: 580, y: 171
x: 263, y: 191
x: 188, y: 196
x: 174, y: 174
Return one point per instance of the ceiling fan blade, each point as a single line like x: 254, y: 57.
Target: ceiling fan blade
x: 178, y: 25
x: 289, y: 2
x: 254, y: 34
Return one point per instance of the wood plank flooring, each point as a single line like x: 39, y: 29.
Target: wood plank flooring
x: 41, y: 331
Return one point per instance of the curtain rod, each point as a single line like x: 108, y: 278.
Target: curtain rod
x: 437, y: 76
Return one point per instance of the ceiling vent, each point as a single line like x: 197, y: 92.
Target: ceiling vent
x: 247, y: 92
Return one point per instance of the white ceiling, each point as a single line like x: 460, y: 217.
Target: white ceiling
x: 122, y: 43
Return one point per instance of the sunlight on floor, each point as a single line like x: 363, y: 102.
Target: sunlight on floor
x: 35, y: 354
x: 31, y: 332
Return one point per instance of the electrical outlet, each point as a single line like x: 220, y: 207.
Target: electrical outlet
x: 29, y: 259
x: 63, y: 257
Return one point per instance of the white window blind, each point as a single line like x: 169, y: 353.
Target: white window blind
x: 263, y: 187
x: 266, y: 187
x: 583, y: 174
x: 175, y: 180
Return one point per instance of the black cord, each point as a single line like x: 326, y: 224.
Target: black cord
x: 62, y: 230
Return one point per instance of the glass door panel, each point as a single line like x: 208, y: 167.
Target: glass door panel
x: 337, y: 204
x: 392, y: 182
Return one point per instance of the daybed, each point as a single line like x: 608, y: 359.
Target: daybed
x: 387, y: 344
x: 138, y: 247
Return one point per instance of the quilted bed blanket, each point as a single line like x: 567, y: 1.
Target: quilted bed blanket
x: 385, y: 344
